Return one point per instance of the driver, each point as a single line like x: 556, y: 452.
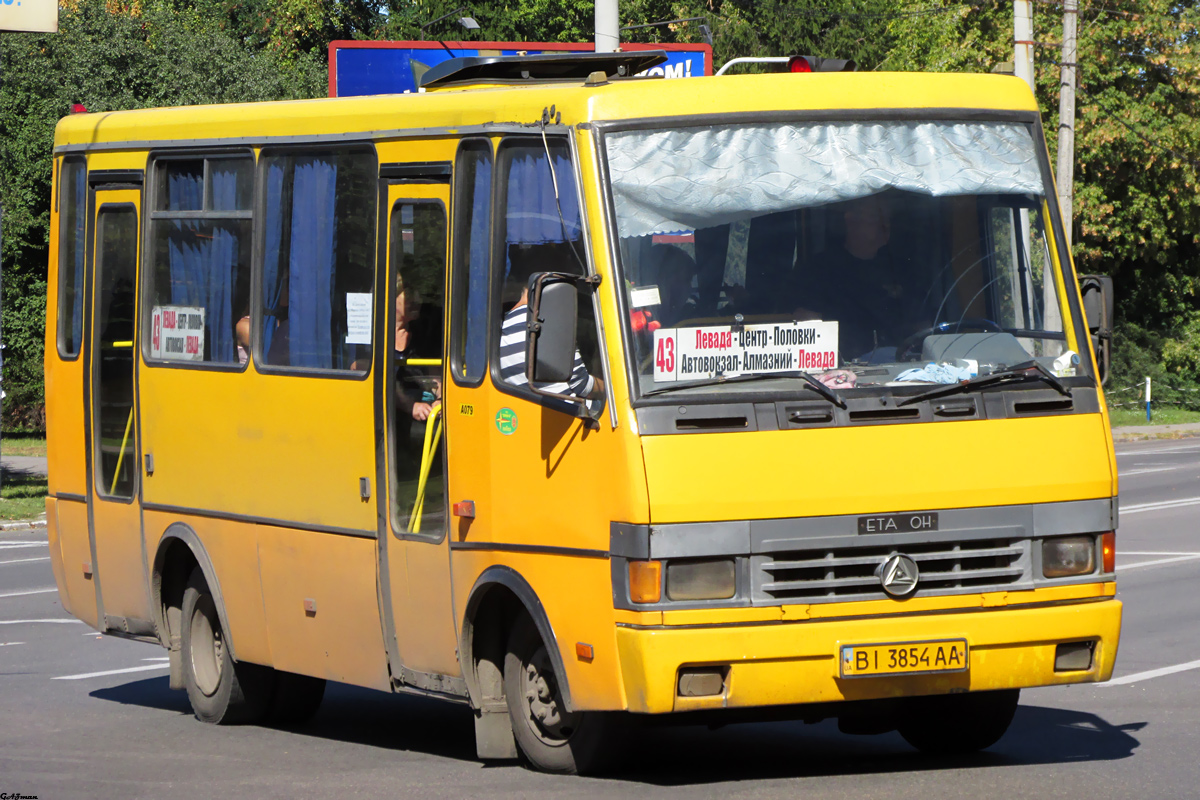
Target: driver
x: 861, y: 286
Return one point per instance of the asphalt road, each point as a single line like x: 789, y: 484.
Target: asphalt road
x: 83, y: 715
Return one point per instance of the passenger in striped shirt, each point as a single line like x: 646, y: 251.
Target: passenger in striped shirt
x: 513, y: 338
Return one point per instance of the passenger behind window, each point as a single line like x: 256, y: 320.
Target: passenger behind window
x: 525, y: 261
x: 415, y: 396
x: 241, y: 332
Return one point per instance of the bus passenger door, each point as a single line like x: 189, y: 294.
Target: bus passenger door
x: 415, y: 549
x: 119, y: 565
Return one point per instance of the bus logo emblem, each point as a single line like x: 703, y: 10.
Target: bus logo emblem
x: 898, y: 575
x: 506, y: 421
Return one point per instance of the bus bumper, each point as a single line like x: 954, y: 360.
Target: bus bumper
x: 792, y: 663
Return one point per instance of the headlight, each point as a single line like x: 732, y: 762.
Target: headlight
x: 1068, y: 555
x: 701, y: 580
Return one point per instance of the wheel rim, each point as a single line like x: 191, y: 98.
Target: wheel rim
x: 207, y: 646
x: 549, y: 721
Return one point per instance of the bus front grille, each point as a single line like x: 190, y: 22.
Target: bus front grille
x: 849, y: 573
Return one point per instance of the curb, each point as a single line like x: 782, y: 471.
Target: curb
x: 22, y: 525
x: 1135, y: 436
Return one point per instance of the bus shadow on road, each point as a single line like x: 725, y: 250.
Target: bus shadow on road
x: 690, y: 755
x: 347, y: 714
x: 696, y: 755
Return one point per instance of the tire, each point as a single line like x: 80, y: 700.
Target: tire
x: 955, y: 724
x: 220, y: 690
x: 551, y: 738
x: 295, y: 700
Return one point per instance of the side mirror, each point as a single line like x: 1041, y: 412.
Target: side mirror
x: 552, y: 322
x: 1097, y: 292
x: 551, y: 343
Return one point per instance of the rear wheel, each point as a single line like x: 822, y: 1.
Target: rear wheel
x: 221, y: 690
x: 550, y: 737
x: 954, y: 724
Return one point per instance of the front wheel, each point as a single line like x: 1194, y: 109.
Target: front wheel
x: 955, y: 724
x: 221, y: 690
x: 551, y: 738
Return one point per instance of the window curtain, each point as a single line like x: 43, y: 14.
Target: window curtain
x: 532, y: 212
x: 273, y: 315
x: 481, y: 204
x: 79, y: 237
x: 311, y: 264
x: 200, y: 260
x: 693, y: 178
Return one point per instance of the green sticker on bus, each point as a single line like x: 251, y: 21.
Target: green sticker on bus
x: 506, y: 421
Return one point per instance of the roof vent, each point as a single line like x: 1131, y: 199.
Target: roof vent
x: 545, y: 67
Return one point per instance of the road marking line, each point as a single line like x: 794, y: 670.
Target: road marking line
x: 26, y: 560
x: 110, y: 672
x: 31, y: 591
x: 1153, y: 673
x: 1140, y: 507
x: 159, y: 658
x: 1157, y: 562
x: 9, y: 644
x: 18, y: 545
x: 31, y: 621
x: 1130, y: 473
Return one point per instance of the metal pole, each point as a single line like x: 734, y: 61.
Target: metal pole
x: 1, y: 283
x: 1023, y: 41
x: 608, y: 27
x: 1066, y: 118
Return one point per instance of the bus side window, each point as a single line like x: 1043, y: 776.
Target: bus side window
x: 72, y: 246
x: 318, y: 258
x: 472, y: 226
x: 542, y: 233
x: 201, y: 222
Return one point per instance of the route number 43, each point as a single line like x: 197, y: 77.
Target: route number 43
x: 664, y: 359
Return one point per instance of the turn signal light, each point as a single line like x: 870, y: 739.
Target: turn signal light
x: 1108, y: 545
x: 645, y: 581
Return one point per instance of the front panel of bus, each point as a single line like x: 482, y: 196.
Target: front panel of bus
x: 865, y: 393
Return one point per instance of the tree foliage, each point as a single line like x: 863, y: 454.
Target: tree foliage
x: 1137, y: 208
x: 107, y: 56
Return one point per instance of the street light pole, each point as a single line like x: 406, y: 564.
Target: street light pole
x: 608, y: 27
x: 1066, y: 119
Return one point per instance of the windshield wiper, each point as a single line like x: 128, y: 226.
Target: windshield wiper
x: 809, y: 381
x: 1029, y: 371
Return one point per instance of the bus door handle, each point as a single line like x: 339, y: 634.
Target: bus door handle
x: 465, y: 509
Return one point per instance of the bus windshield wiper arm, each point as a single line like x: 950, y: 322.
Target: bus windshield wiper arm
x: 809, y: 381
x: 1030, y: 370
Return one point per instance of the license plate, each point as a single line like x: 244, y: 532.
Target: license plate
x: 903, y: 658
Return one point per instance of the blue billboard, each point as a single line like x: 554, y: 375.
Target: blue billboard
x: 363, y: 67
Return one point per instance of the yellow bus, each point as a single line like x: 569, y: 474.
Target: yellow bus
x: 582, y: 398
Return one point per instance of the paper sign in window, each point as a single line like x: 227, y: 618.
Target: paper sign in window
x: 177, y: 333
x: 358, y: 317
x: 682, y: 354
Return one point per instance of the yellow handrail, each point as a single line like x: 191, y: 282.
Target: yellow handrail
x: 121, y: 456
x: 424, y: 362
x: 433, y: 431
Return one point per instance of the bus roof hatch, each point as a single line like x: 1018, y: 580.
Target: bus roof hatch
x: 545, y: 67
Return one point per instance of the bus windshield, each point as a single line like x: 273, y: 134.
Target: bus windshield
x: 864, y: 253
